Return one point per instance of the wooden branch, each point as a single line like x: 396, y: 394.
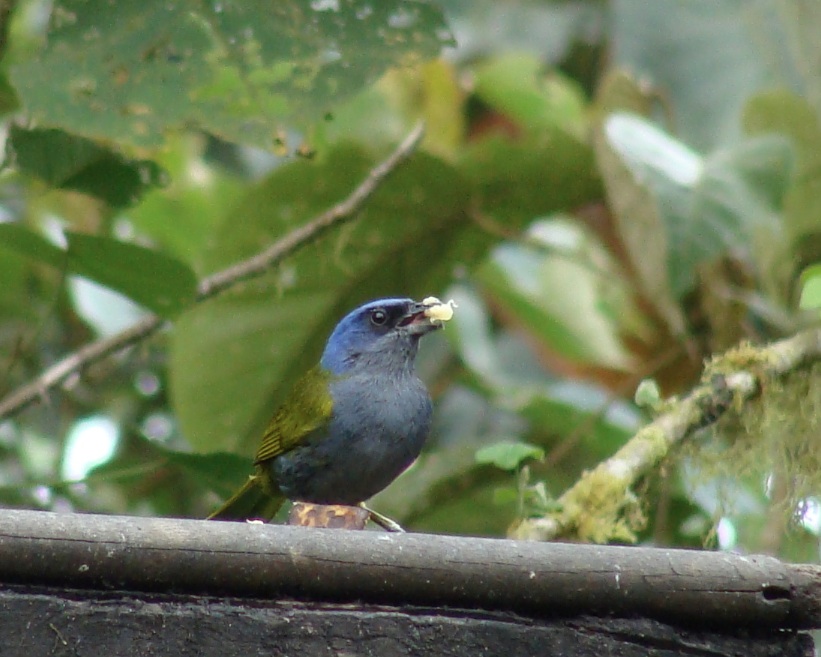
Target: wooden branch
x: 598, y: 506
x: 216, y: 283
x: 337, y: 566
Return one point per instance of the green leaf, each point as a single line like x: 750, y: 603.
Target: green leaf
x: 517, y: 182
x: 8, y: 98
x: 171, y: 481
x: 510, y: 374
x: 648, y: 394
x: 520, y: 87
x: 705, y: 58
x: 784, y: 113
x: 130, y: 71
x: 23, y: 241
x: 507, y: 455
x: 155, y: 280
x: 235, y: 357
x: 550, y: 166
x: 69, y: 162
x: 560, y: 299
x: 706, y: 205
x: 640, y: 226
x: 802, y: 22
x: 811, y: 288
x: 181, y: 218
x: 221, y: 472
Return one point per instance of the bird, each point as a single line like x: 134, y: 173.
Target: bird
x: 351, y: 424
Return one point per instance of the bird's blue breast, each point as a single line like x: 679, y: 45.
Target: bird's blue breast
x: 378, y: 427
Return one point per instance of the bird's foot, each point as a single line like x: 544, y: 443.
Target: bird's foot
x: 383, y: 521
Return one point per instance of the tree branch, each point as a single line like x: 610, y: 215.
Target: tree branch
x: 601, y: 507
x: 219, y: 282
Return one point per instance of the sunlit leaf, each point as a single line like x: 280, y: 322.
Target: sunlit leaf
x: 706, y: 205
x: 560, y: 297
x: 508, y: 455
x: 535, y: 98
x: 811, y: 288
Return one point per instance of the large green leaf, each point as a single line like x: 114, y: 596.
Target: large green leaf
x: 784, y: 113
x: 519, y: 181
x: 549, y: 166
x: 704, y: 57
x: 517, y: 384
x: 520, y: 87
x: 182, y: 216
x: 560, y: 297
x: 153, y: 279
x: 129, y: 71
x: 705, y: 205
x: 19, y: 239
x: 69, y: 162
x: 640, y: 226
x: 802, y: 21
x: 234, y: 357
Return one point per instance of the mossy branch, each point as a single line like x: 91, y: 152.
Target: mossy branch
x: 602, y: 506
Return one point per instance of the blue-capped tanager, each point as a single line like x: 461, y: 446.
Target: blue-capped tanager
x: 352, y: 423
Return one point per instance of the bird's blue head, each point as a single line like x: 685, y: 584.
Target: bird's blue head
x: 380, y: 336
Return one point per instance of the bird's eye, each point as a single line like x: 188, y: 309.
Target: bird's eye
x: 379, y: 317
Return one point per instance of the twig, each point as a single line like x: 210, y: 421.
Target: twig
x: 297, y: 238
x: 597, y: 507
x: 216, y: 283
x: 76, y: 361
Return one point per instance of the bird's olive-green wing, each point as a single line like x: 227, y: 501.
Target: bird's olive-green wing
x: 307, y: 408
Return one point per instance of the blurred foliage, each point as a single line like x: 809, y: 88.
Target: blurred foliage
x: 612, y: 191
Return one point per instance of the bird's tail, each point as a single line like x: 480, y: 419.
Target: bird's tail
x: 251, y: 501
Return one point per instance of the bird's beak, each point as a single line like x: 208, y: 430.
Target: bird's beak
x: 417, y: 322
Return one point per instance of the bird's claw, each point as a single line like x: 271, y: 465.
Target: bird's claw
x: 383, y: 521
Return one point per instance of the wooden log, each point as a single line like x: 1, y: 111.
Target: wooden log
x: 692, y: 588
x: 91, y: 623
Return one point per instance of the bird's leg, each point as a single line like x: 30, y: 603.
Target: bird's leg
x: 383, y: 521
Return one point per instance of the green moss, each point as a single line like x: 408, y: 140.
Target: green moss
x: 777, y: 432
x: 745, y: 357
x: 602, y: 509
